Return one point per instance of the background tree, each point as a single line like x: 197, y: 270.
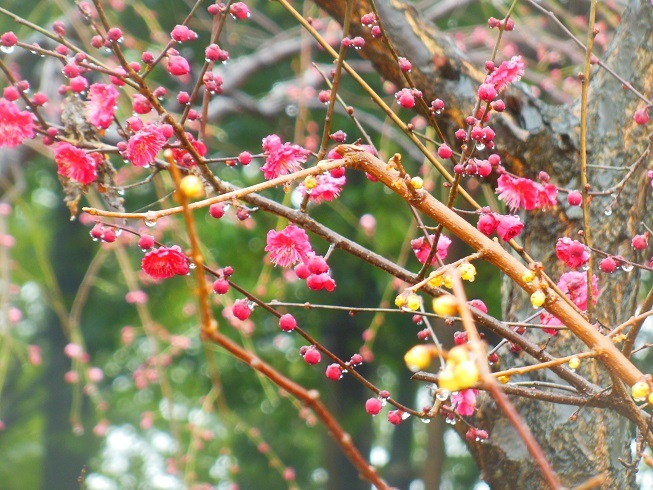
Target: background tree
x: 533, y: 137
x: 203, y: 428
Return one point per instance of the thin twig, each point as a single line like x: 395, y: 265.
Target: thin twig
x: 585, y: 186
x: 494, y: 388
x: 543, y: 365
x: 328, y: 118
x: 638, y: 323
x: 623, y: 82
x: 321, y: 167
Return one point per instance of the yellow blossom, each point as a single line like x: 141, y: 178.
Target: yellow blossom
x: 528, y: 276
x: 310, y: 182
x: 448, y: 282
x: 459, y: 377
x: 467, y: 272
x: 617, y: 339
x: 457, y: 354
x: 466, y: 374
x: 418, y: 357
x: 413, y: 302
x: 446, y: 380
x: 446, y: 305
x: 574, y: 363
x: 640, y: 391
x: 538, y: 298
x: 191, y: 186
x: 436, y: 281
x: 417, y: 182
x: 460, y: 371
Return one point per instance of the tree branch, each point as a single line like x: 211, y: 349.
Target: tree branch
x: 496, y: 255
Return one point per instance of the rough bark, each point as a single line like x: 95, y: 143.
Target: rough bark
x: 532, y: 136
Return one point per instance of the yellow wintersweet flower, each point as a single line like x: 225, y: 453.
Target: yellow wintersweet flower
x: 467, y: 272
x: 418, y: 358
x: 445, y: 305
x: 460, y: 371
x: 466, y: 374
x: 574, y: 363
x: 417, y: 182
x: 538, y: 298
x: 413, y: 302
x: 640, y: 391
x: 457, y: 354
x: 436, y: 281
x: 310, y: 182
x: 191, y: 186
x: 529, y: 276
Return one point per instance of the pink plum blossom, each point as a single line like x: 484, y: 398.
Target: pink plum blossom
x: 288, y: 246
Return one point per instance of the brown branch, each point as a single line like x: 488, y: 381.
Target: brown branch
x: 585, y: 187
x: 310, y: 398
x: 543, y: 365
x: 378, y: 100
x: 321, y: 167
x: 208, y: 322
x: 496, y: 255
x: 413, y: 21
x: 533, y: 394
x: 401, y: 273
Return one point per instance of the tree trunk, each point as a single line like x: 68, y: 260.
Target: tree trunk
x: 532, y: 136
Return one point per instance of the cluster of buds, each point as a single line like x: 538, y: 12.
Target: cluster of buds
x: 474, y: 166
x: 317, y: 274
x: 406, y: 97
x: 408, y: 300
x: 370, y: 20
x: 357, y: 42
x: 538, y: 297
x: 460, y: 372
x: 474, y: 434
x: 213, y: 83
x: 438, y: 280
